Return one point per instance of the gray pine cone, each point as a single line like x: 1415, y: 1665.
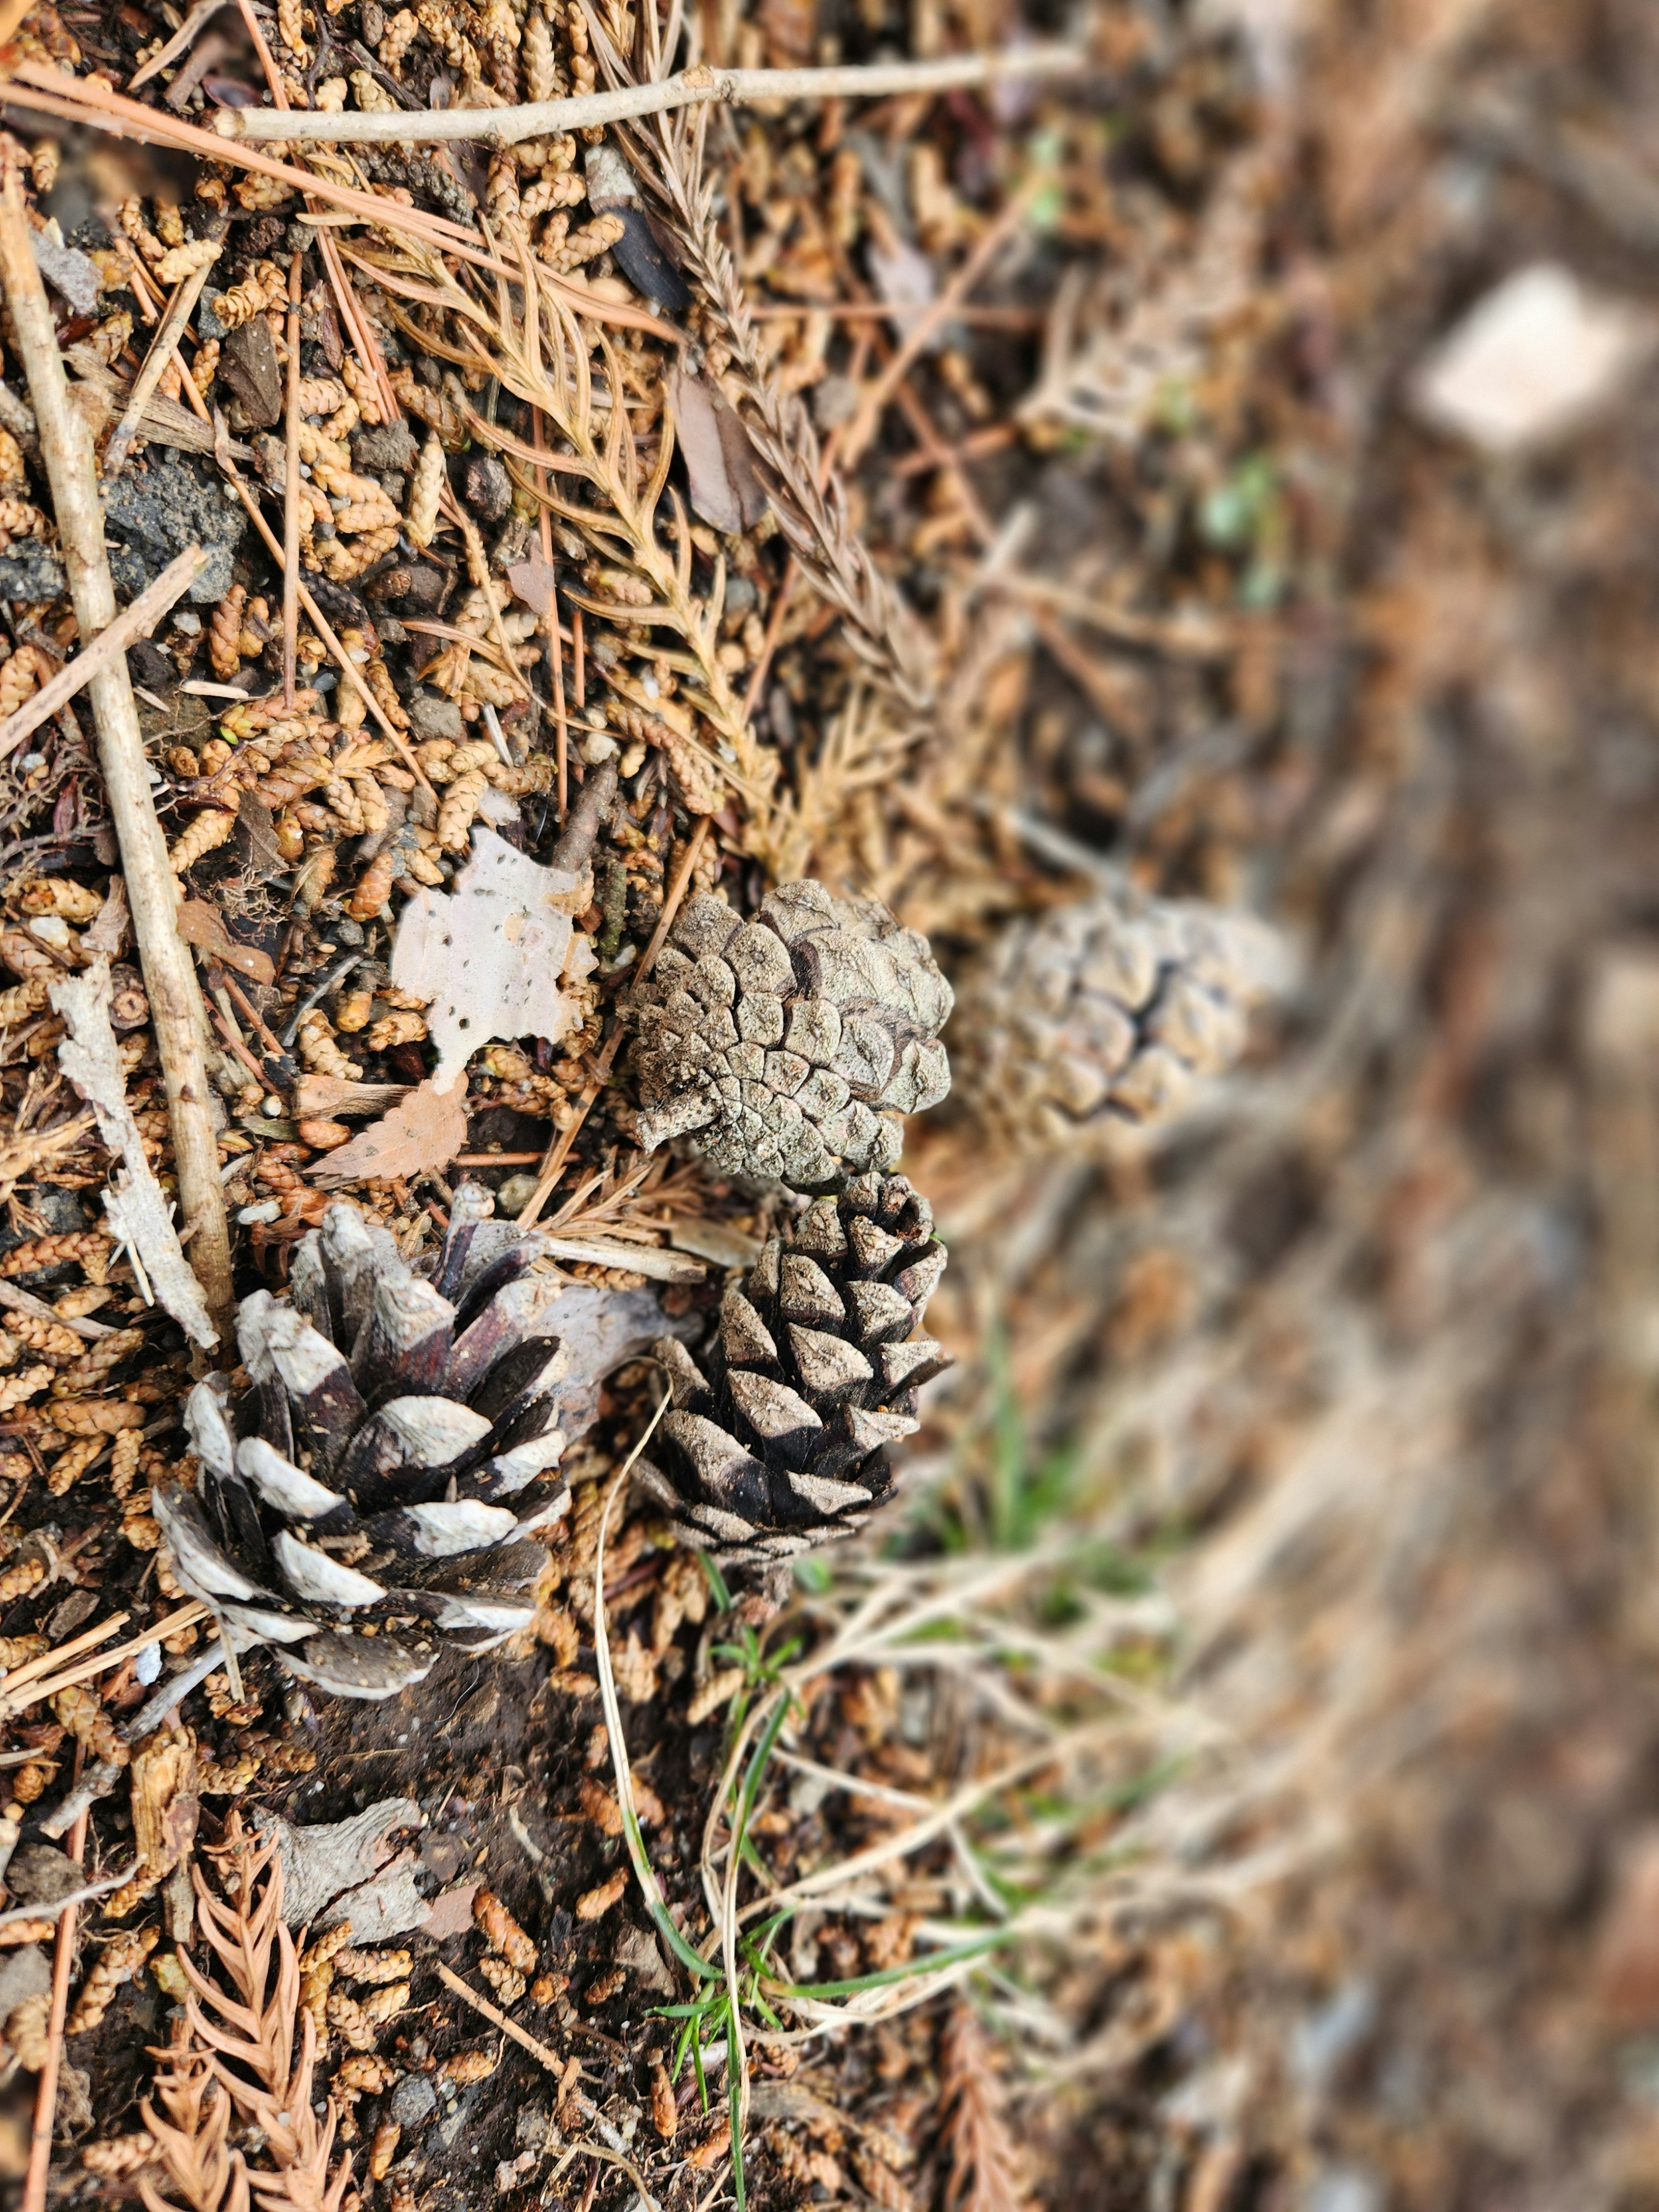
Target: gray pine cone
x: 1105, y: 1012
x: 793, y: 1044
x: 779, y: 1433
x: 359, y: 1505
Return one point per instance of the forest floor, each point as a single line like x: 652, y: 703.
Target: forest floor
x: 1225, y: 1778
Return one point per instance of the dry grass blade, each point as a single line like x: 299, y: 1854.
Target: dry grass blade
x: 985, y: 2161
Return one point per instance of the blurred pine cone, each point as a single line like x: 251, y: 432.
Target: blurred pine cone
x: 793, y: 1044
x: 778, y: 1435
x: 351, y: 1507
x: 1106, y: 1012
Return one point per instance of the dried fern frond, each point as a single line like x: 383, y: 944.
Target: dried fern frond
x: 985, y: 2162
x: 668, y: 152
x: 198, y: 2169
x: 241, y: 2030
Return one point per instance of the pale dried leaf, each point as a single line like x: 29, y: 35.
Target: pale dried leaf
x: 422, y: 1134
x: 201, y: 924
x: 109, y: 928
x: 139, y: 1215
x: 491, y: 959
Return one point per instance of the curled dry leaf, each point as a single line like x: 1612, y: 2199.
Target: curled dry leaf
x: 425, y: 1132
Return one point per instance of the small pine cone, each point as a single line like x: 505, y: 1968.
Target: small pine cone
x: 584, y: 245
x: 1106, y: 1012
x: 205, y: 367
x: 353, y: 517
x: 793, y: 1044
x: 26, y: 2027
x: 503, y: 1932
x: 225, y: 633
x: 15, y: 1649
x: 368, y: 2074
x: 21, y: 676
x: 20, y: 1578
x: 50, y: 1339
x: 400, y: 34
x: 121, y: 1960
x: 43, y: 166
x: 290, y: 28
x: 117, y: 2156
x: 212, y: 826
x: 469, y: 2066
x: 320, y: 1051
x: 179, y: 262
x: 559, y: 188
x: 508, y: 1982
x: 459, y: 806
x: 351, y: 2022
x: 779, y: 1432
x: 17, y: 1389
x: 84, y: 1248
x: 372, y: 1969
x: 361, y: 383
x: 320, y: 395
x: 22, y: 999
x: 383, y: 2149
x: 397, y: 1028
x: 424, y: 487
x: 373, y: 890
x: 12, y: 476
x: 332, y: 92
x: 541, y: 76
x: 72, y: 1463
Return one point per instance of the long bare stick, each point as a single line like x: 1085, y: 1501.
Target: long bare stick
x: 161, y: 349
x: 45, y: 2095
x: 291, y: 491
x: 134, y: 622
x: 180, y: 1018
x: 692, y: 88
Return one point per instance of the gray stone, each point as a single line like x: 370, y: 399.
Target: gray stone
x: 24, y: 1972
x: 154, y: 513
x: 385, y: 446
x: 432, y: 717
x: 413, y: 2102
x: 29, y: 573
x: 40, y: 1873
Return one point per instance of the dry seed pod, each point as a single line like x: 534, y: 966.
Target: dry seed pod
x: 508, y: 1982
x: 779, y: 1434
x: 467, y: 2066
x: 793, y: 1044
x: 371, y: 1479
x: 1106, y: 1012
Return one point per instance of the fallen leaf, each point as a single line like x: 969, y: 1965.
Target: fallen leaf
x: 202, y: 925
x: 491, y: 959
x: 719, y: 462
x: 423, y: 1134
x: 1536, y: 360
x: 451, y: 1912
x: 327, y: 1095
x: 535, y: 583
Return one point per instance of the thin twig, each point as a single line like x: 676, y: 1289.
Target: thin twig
x: 14, y: 1913
x: 692, y: 88
x: 179, y: 1017
x: 162, y: 347
x: 482, y: 2006
x: 291, y: 490
x: 134, y: 622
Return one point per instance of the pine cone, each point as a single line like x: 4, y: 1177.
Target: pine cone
x: 792, y: 1043
x: 352, y: 1508
x: 778, y: 1435
x: 1105, y: 1012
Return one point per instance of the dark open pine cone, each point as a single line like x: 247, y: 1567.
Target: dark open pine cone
x: 779, y: 1433
x: 359, y: 1505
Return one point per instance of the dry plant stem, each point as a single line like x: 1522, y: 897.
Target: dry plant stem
x: 692, y: 88
x: 134, y: 622
x: 16, y: 1698
x: 291, y: 491
x: 180, y: 1017
x: 874, y: 403
x: 46, y: 2100
x: 483, y: 2007
x: 162, y: 347
x: 182, y: 39
x: 559, y: 1151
